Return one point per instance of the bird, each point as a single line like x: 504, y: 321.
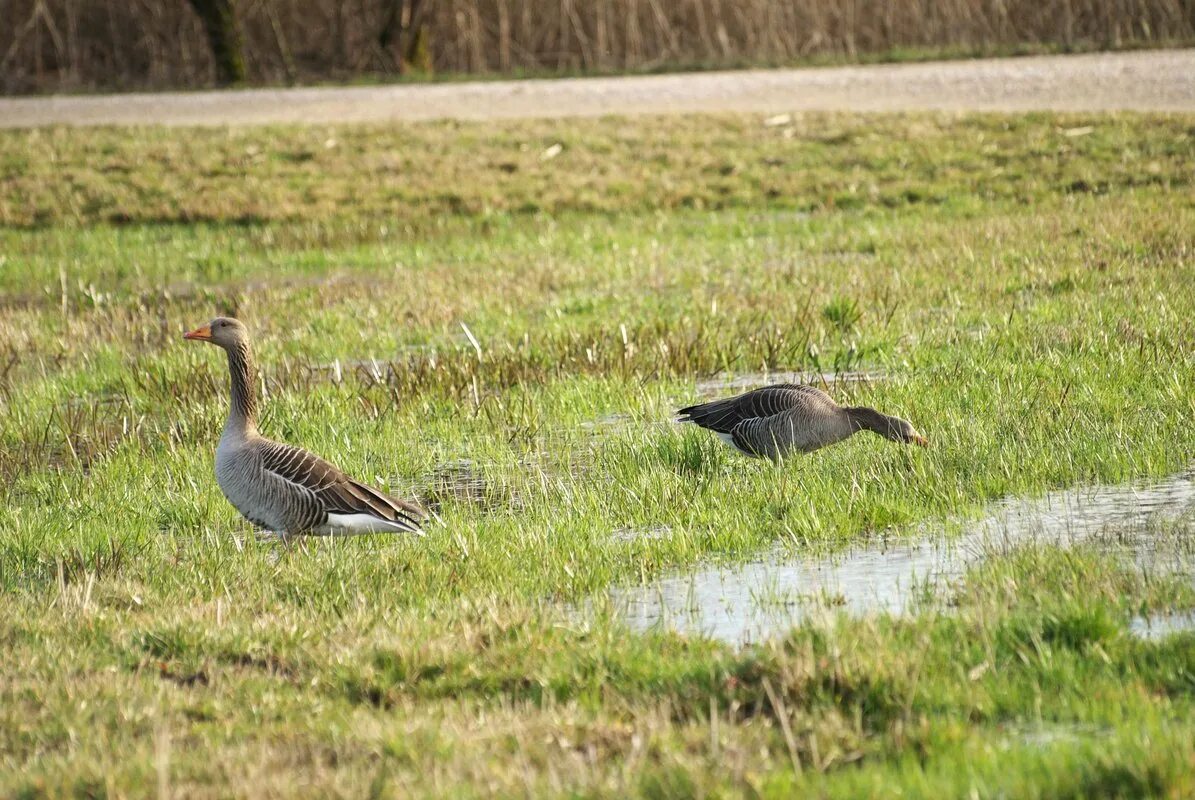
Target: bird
x: 776, y: 420
x: 281, y: 489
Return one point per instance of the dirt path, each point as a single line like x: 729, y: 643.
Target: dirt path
x: 1162, y: 80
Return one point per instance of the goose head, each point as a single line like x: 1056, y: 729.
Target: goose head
x: 893, y: 428
x: 224, y: 332
x: 900, y: 430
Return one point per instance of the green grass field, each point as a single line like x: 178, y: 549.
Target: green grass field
x: 1023, y: 284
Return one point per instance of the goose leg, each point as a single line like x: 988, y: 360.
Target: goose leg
x: 270, y: 537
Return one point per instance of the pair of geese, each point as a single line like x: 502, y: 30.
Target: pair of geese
x: 289, y: 491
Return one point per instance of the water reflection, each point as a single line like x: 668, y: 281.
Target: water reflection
x: 755, y: 600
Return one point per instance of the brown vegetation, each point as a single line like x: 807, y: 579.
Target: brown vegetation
x: 71, y: 44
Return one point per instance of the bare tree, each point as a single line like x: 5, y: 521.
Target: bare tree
x: 224, y: 38
x: 49, y: 45
x: 403, y: 29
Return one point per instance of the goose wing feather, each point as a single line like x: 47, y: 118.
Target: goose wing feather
x: 335, y: 491
x: 772, y: 436
x: 724, y: 416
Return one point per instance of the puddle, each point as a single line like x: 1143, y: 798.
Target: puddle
x: 605, y: 427
x: 762, y: 598
x: 641, y: 534
x: 1165, y: 546
x: 1057, y: 733
x: 608, y: 422
x: 1156, y: 627
x: 464, y: 481
x: 725, y: 382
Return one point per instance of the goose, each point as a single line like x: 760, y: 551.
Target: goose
x: 772, y: 421
x: 285, y: 490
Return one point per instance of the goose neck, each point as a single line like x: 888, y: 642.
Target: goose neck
x: 865, y: 418
x: 242, y: 411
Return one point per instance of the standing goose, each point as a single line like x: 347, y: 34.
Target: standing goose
x: 282, y: 489
x: 771, y: 421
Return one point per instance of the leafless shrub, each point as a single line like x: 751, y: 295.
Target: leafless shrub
x: 68, y: 44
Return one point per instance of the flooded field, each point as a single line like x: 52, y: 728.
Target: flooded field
x: 453, y: 319
x: 1159, y: 626
x: 761, y: 598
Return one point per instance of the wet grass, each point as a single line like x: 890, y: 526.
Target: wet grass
x: 512, y: 355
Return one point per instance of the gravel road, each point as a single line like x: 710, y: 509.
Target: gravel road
x: 1160, y: 80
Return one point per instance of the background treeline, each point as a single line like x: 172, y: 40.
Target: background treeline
x: 48, y: 45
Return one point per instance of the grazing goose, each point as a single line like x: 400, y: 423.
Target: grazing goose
x: 284, y: 489
x: 773, y: 420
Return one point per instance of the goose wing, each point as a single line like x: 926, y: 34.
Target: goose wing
x: 772, y: 436
x: 335, y: 491
x: 723, y: 416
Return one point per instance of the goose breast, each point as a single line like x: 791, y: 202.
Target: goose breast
x: 264, y: 499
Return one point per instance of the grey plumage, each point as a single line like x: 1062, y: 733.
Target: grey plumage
x: 281, y: 488
x: 775, y: 420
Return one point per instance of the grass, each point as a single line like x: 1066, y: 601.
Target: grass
x: 1020, y: 283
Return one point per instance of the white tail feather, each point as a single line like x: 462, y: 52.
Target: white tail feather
x: 726, y: 437
x: 354, y: 524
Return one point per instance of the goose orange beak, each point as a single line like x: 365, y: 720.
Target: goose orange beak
x: 203, y: 333
x: 921, y: 440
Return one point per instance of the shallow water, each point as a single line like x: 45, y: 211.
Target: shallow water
x: 1159, y: 626
x: 765, y: 597
x: 641, y: 534
x: 1054, y: 733
x: 724, y: 382
x: 466, y: 482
